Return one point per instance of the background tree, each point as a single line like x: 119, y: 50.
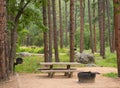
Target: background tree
x: 46, y: 52
x: 60, y: 21
x: 50, y: 30
x: 94, y: 26
x: 81, y: 27
x: 90, y: 27
x: 72, y: 30
x: 55, y: 31
x: 66, y: 23
x: 101, y: 18
x: 15, y: 16
x: 109, y: 28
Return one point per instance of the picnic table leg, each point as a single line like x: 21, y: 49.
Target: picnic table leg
x: 66, y: 73
x: 50, y: 74
x: 70, y: 74
x: 51, y: 66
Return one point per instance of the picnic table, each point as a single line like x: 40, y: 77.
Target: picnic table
x: 65, y: 67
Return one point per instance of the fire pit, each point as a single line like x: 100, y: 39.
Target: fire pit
x: 87, y: 77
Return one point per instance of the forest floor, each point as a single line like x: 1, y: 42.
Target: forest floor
x: 35, y: 80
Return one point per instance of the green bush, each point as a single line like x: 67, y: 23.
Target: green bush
x: 32, y: 49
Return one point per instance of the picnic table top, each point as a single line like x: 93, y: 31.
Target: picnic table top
x: 59, y: 63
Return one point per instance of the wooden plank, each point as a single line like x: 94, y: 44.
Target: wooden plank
x: 57, y: 70
x: 59, y: 63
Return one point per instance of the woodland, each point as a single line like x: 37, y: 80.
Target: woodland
x: 50, y: 26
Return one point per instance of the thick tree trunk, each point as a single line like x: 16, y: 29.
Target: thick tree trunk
x: 72, y: 30
x: 60, y: 21
x: 55, y: 32
x: 50, y: 31
x: 117, y: 31
x: 81, y: 27
x: 3, y: 59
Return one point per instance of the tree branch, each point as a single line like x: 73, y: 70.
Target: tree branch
x: 21, y: 10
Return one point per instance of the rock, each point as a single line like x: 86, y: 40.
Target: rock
x: 23, y: 54
x: 84, y: 58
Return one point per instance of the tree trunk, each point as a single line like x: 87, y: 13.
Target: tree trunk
x: 14, y: 33
x: 90, y: 26
x: 117, y: 31
x: 55, y: 32
x: 66, y: 25
x: 3, y: 59
x: 76, y: 14
x: 94, y: 29
x: 101, y: 17
x: 50, y: 31
x: 72, y: 31
x: 60, y: 21
x: 13, y: 47
x: 81, y: 27
x: 109, y: 30
x: 45, y: 35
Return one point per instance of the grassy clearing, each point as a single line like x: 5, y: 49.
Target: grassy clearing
x: 31, y: 63
x: 112, y: 75
x: 109, y: 61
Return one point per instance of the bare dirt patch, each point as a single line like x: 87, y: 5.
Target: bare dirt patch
x: 12, y: 83
x: 59, y: 81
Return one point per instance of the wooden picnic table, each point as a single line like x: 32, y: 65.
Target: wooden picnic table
x: 66, y: 68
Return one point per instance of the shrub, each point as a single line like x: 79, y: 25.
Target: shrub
x: 32, y: 49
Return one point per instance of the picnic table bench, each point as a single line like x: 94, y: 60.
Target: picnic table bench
x: 66, y: 68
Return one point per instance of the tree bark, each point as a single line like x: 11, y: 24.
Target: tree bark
x: 117, y: 31
x: 72, y: 30
x: 101, y: 17
x: 55, y: 32
x: 45, y: 35
x: 94, y: 29
x: 76, y: 8
x: 109, y: 27
x: 4, y: 71
x: 81, y: 27
x: 90, y: 26
x: 50, y: 31
x: 66, y: 25
x: 60, y: 21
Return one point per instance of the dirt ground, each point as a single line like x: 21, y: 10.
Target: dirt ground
x: 23, y: 80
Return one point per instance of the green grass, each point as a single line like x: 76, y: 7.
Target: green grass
x: 109, y: 61
x: 32, y: 49
x: 112, y: 75
x: 30, y: 64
